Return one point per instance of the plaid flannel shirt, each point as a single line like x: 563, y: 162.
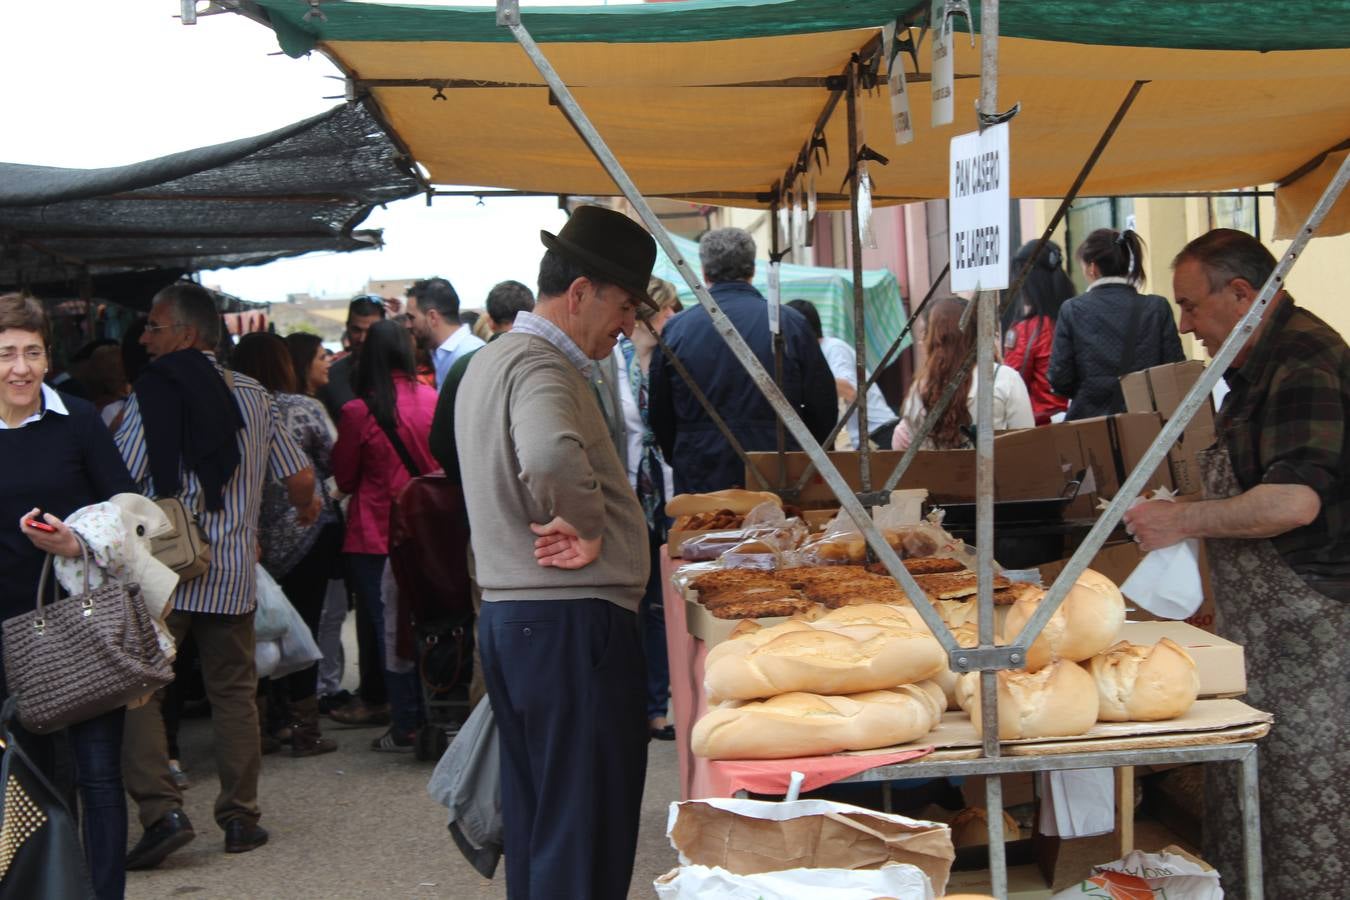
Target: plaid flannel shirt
x: 1285, y: 422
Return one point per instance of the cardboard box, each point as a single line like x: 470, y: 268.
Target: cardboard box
x: 1018, y: 788
x: 1220, y: 663
x: 711, y: 630
x: 1161, y: 389
x: 1025, y: 468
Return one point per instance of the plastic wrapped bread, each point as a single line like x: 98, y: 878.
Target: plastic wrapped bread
x: 1136, y: 683
x: 805, y: 724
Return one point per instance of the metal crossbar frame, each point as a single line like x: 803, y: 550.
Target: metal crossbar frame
x: 988, y: 657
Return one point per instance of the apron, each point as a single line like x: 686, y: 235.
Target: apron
x: 1295, y: 645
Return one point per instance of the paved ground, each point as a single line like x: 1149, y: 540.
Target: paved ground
x: 354, y: 824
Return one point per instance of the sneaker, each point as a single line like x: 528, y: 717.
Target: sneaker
x: 394, y: 742
x: 180, y: 778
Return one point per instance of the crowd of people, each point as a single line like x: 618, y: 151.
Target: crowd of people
x: 582, y: 421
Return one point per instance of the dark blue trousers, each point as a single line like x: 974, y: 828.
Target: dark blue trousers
x: 567, y: 683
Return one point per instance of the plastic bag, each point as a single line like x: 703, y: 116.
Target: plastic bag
x: 1170, y: 873
x: 298, y: 649
x: 266, y: 655
x: 786, y: 534
x: 896, y: 880
x: 270, y: 620
x: 1167, y: 581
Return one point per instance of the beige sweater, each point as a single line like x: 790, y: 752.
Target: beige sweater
x: 533, y: 444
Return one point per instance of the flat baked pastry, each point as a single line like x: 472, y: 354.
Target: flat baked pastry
x: 760, y: 609
x: 951, y: 585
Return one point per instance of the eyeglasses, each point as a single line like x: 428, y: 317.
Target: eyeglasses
x: 30, y: 354
x: 152, y: 327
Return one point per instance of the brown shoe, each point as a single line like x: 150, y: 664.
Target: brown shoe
x: 306, y: 739
x: 358, y: 715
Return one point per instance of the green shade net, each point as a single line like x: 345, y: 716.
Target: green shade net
x: 829, y: 290
x: 1184, y: 24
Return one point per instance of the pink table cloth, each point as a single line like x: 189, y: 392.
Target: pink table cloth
x: 700, y: 778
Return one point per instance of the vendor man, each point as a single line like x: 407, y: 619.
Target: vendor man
x: 561, y: 546
x: 1276, y: 522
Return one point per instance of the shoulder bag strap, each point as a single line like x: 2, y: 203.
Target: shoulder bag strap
x: 399, y: 447
x: 1031, y: 347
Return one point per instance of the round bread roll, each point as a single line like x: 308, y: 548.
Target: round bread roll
x: 1086, y: 623
x: 803, y: 724
x: 1144, y: 684
x: 840, y: 659
x: 890, y: 614
x: 737, y: 500
x: 1060, y: 700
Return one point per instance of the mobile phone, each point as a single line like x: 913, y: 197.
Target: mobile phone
x: 40, y: 526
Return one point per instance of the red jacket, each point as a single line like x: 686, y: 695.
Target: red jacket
x: 1044, y: 402
x: 366, y: 465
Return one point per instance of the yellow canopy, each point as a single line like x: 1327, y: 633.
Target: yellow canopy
x: 705, y: 118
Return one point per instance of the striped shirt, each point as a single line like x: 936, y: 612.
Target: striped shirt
x: 229, y: 586
x: 529, y: 323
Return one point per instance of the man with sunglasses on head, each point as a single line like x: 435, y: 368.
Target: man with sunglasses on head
x: 363, y: 312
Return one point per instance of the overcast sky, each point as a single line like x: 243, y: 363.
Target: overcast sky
x: 93, y: 83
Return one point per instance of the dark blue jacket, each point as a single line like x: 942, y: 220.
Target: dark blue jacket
x: 697, y: 451
x: 1085, y: 364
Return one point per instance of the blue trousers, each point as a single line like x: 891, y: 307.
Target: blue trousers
x: 364, y: 571
x: 567, y: 684
x: 652, y: 619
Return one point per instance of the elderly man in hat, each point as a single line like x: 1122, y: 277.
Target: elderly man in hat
x: 561, y: 545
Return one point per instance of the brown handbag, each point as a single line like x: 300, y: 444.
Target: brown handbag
x: 74, y: 659
x: 185, y: 549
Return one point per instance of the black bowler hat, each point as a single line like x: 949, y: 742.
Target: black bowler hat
x: 610, y: 245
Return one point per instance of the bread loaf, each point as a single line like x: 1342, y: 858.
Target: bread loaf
x: 1060, y: 700
x: 1144, y: 684
x: 1086, y: 623
x: 821, y: 658
x: 735, y: 500
x: 803, y: 724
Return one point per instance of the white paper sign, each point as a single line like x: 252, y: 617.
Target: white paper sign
x: 944, y: 81
x: 978, y: 183
x: 774, y: 297
x: 900, y: 120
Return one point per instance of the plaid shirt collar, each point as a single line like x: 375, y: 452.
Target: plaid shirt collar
x: 1254, y: 366
x: 529, y: 323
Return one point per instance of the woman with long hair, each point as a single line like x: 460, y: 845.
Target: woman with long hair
x: 300, y: 558
x: 1029, y: 325
x: 1112, y: 329
x: 390, y: 419
x: 945, y: 345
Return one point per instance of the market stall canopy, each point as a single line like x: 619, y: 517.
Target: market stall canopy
x: 829, y: 290
x: 714, y: 100
x: 294, y: 190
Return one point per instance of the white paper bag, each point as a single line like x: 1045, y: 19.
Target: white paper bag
x: 1167, y: 582
x: 893, y: 880
x: 1078, y: 803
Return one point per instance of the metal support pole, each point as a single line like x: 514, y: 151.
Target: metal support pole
x: 780, y: 435
x: 885, y: 554
x: 1077, y: 185
x: 876, y: 373
x: 859, y: 330
x: 1197, y: 395
x: 1251, y: 826
x: 987, y: 331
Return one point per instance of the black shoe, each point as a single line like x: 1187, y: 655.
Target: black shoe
x: 664, y: 733
x: 170, y: 833
x: 242, y: 836
x: 330, y: 702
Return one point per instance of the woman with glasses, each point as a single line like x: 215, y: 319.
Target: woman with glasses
x: 382, y: 435
x: 57, y: 456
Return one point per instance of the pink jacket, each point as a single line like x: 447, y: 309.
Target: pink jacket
x: 366, y: 465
